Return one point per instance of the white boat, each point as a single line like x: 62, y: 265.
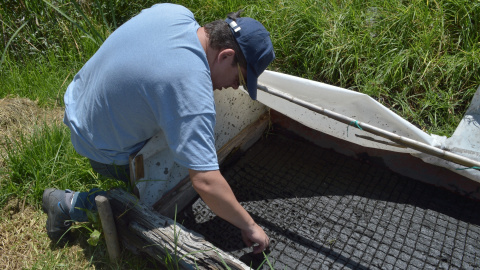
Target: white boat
x: 348, y: 122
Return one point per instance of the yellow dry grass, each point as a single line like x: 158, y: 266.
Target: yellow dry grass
x: 24, y: 243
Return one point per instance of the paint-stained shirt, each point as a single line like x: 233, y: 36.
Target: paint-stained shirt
x: 150, y: 75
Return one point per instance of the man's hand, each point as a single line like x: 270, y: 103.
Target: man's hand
x: 218, y: 195
x: 255, y: 235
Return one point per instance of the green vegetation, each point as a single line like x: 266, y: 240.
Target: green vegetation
x: 46, y: 158
x: 419, y: 58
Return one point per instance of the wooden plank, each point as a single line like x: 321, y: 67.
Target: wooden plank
x: 246, y: 138
x: 183, y: 193
x: 160, y: 236
x: 176, y: 199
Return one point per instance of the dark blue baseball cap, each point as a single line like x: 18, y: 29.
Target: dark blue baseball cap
x: 254, y: 41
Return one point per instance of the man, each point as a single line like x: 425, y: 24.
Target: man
x: 156, y: 73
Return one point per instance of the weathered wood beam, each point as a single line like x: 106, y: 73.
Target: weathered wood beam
x: 160, y: 236
x: 109, y: 228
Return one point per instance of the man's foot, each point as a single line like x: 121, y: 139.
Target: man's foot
x: 56, y: 203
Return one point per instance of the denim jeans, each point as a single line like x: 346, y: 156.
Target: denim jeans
x: 83, y: 202
x: 119, y: 172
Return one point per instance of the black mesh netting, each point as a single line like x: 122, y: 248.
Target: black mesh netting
x: 323, y: 210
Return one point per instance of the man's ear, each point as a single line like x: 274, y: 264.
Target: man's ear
x: 226, y: 54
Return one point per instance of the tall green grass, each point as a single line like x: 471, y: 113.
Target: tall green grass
x: 419, y: 58
x: 44, y: 159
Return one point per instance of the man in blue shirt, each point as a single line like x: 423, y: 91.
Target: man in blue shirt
x: 156, y: 73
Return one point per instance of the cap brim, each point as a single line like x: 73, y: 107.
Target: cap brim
x: 252, y: 79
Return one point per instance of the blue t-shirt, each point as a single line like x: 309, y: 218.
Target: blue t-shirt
x: 150, y: 75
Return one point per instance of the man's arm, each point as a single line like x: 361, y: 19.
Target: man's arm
x: 217, y: 194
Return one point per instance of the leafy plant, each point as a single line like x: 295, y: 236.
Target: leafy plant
x: 93, y: 227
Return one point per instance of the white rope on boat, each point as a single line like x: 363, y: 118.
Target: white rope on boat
x: 419, y: 146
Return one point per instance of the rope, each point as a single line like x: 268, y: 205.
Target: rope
x: 474, y: 167
x: 356, y: 124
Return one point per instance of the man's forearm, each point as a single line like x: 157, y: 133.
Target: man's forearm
x: 217, y: 194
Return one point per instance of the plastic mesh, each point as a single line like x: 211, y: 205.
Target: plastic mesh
x: 323, y: 210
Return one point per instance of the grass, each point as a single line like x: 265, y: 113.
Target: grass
x: 25, y: 246
x: 45, y: 158
x: 419, y: 58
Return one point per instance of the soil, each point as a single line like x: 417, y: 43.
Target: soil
x: 323, y: 210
